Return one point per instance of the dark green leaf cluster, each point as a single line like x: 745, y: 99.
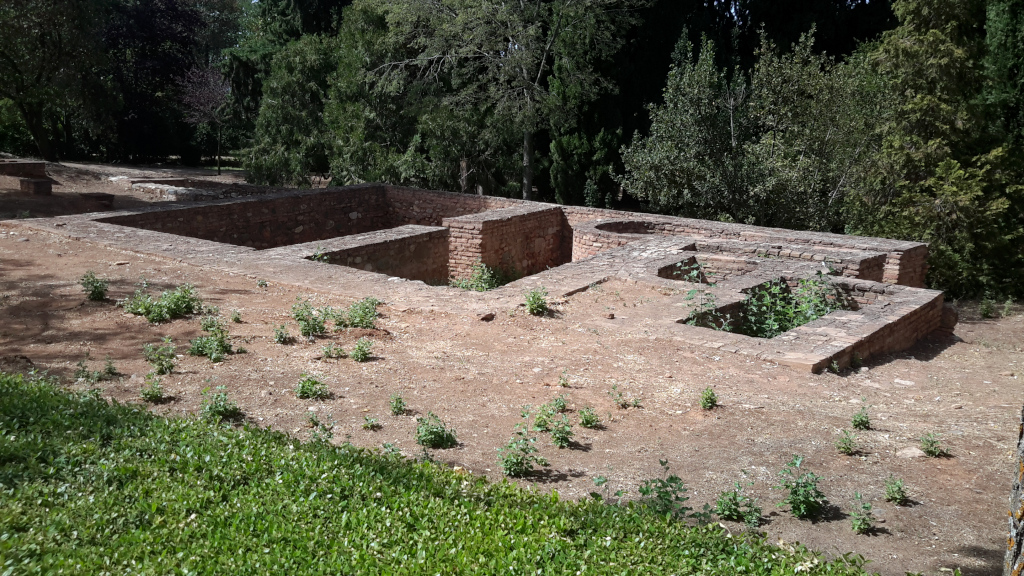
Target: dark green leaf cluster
x: 95, y: 288
x: 432, y: 432
x: 483, y: 278
x: 177, y: 303
x: 804, y: 498
x: 736, y: 506
x: 214, y: 345
x: 160, y: 356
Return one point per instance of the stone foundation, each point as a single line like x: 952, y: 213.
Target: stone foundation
x: 396, y: 240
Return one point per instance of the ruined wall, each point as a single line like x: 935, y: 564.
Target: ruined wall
x: 405, y: 252
x: 430, y: 208
x: 270, y: 222
x: 522, y: 238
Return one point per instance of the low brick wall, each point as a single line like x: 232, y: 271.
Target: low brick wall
x: 269, y: 222
x: 407, y: 252
x: 521, y: 238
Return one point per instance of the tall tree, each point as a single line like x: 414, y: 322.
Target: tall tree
x: 503, y: 56
x: 46, y: 48
x: 1005, y: 66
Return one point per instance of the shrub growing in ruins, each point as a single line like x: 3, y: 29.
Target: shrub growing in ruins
x: 95, y: 288
x: 589, y: 418
x: 218, y: 406
x: 773, y: 308
x: 708, y: 398
x: 931, y: 447
x: 152, y: 391
x: 847, y: 443
x: 803, y: 497
x: 361, y: 314
x: 431, y: 432
x: 518, y: 456
x: 361, y: 351
x: 561, y: 432
x: 310, y: 387
x: 281, y: 335
x: 861, y: 420
x: 214, y: 345
x: 895, y: 491
x: 370, y: 423
x: 177, y: 303
x: 397, y: 405
x: 311, y: 322
x: 331, y: 350
x: 861, y: 519
x: 537, y: 301
x: 483, y: 278
x: 736, y: 506
x: 161, y: 357
x: 665, y: 496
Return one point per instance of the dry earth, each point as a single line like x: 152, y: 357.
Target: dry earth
x: 476, y: 375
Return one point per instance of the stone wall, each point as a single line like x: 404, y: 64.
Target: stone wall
x: 1013, y: 564
x: 411, y: 252
x: 523, y: 239
x: 269, y: 222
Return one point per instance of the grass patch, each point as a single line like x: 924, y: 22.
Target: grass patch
x: 483, y: 278
x: 177, y: 303
x: 91, y: 487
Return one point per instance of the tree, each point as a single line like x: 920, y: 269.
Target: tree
x: 46, y: 47
x: 1004, y: 63
x: 501, y: 57
x: 781, y: 146
x: 205, y: 93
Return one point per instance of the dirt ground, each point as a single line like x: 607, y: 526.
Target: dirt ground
x: 477, y: 375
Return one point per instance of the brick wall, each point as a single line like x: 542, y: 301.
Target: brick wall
x: 523, y: 238
x: 269, y: 222
x: 416, y: 256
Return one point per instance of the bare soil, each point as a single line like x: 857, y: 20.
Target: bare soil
x: 477, y: 375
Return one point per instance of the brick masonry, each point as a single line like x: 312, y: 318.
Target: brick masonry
x: 393, y: 242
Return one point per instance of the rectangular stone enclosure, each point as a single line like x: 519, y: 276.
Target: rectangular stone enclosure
x: 407, y: 244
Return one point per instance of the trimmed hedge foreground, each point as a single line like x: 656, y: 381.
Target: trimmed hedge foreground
x: 90, y: 487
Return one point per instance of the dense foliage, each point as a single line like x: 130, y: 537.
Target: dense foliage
x: 901, y: 118
x: 89, y: 487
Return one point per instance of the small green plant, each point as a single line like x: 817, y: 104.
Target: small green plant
x: 214, y: 345
x: 895, y: 491
x: 388, y: 448
x: 310, y: 387
x: 931, y: 447
x: 518, y: 456
x: 82, y: 371
x: 361, y: 314
x: 834, y: 367
x: 736, y: 506
x: 361, y: 351
x: 560, y: 403
x: 109, y: 370
x: 320, y: 255
x: 281, y: 335
x: 861, y: 420
x: 218, y: 406
x: 803, y: 497
x: 774, y: 308
x: 618, y: 397
x: 330, y: 350
x: 370, y: 423
x: 861, y: 519
x: 24, y: 214
x: 397, y: 405
x: 537, y: 301
x: 236, y: 316
x: 180, y: 302
x: 561, y: 432
x: 988, y: 306
x: 160, y: 356
x: 322, y: 432
x: 847, y: 443
x: 589, y: 418
x: 152, y: 391
x: 431, y: 432
x: 665, y: 496
x: 95, y: 288
x: 311, y: 322
x: 708, y: 399
x: 483, y: 278
x: 1007, y: 308
x: 542, y: 419
x: 563, y: 380
x: 261, y: 283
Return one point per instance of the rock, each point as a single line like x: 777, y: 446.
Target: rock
x: 610, y: 316
x: 22, y: 240
x: 910, y: 452
x: 668, y: 376
x: 903, y: 382
x: 487, y: 317
x: 864, y: 369
x: 1010, y: 374
x: 958, y: 406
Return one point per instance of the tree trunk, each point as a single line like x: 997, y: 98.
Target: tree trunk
x: 464, y: 175
x: 527, y: 164
x: 33, y: 117
x: 1013, y: 564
